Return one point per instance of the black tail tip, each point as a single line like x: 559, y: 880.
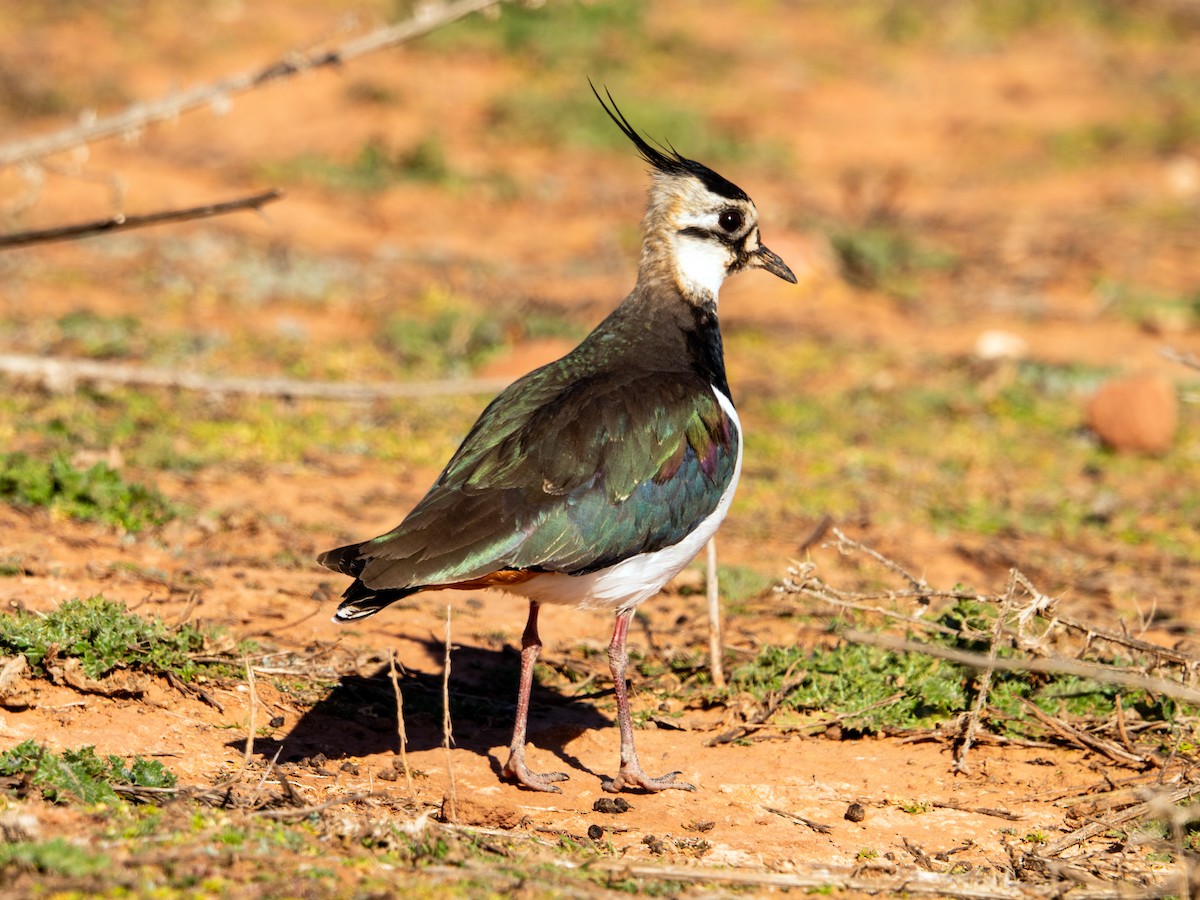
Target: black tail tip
x: 345, y: 560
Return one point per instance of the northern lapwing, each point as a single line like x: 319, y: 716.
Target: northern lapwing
x: 592, y: 481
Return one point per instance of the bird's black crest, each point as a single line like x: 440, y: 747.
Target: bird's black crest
x: 668, y: 160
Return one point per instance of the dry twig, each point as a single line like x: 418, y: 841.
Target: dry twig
x: 1054, y: 848
x: 984, y: 685
x: 801, y: 820
x: 447, y: 735
x: 63, y: 374
x: 716, y: 666
x: 1184, y: 359
x: 401, y: 732
x: 135, y: 118
x: 122, y: 222
x: 1055, y: 665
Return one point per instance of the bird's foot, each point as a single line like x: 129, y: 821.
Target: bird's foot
x: 633, y: 777
x: 516, y: 770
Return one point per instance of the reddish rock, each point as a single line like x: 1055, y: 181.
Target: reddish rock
x: 1137, y: 414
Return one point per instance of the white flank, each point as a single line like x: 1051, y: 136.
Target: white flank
x: 701, y: 264
x: 640, y: 577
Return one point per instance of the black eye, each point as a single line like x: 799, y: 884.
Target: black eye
x: 730, y: 219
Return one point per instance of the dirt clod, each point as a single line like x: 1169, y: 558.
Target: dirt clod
x: 614, y: 805
x: 1137, y: 414
x: 855, y: 812
x: 654, y: 845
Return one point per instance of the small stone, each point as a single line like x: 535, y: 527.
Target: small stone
x: 993, y: 344
x: 1137, y: 414
x: 614, y: 805
x: 17, y: 827
x: 349, y: 768
x: 654, y: 845
x: 595, y: 832
x: 387, y: 775
x: 277, y: 721
x: 855, y: 812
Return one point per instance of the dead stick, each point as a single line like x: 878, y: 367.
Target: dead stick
x: 446, y: 731
x: 121, y: 222
x: 1184, y: 359
x: 800, y: 820
x: 1054, y: 848
x: 400, y: 721
x: 716, y: 666
x: 984, y: 686
x: 134, y: 118
x: 1082, y: 738
x: 305, y: 811
x: 978, y: 810
x: 62, y: 374
x: 1056, y: 665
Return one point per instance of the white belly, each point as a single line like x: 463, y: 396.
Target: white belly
x: 634, y: 580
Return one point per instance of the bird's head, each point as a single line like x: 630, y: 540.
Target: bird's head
x: 699, y: 226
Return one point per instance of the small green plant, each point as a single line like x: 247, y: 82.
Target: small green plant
x: 867, y: 853
x: 104, y: 636
x: 375, y: 167
x: 916, y: 807
x: 887, y: 258
x: 53, y: 857
x: 96, y: 336
x: 96, y: 494
x: 442, y: 334
x: 80, y: 774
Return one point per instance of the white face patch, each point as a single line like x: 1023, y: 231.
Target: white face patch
x: 701, y: 264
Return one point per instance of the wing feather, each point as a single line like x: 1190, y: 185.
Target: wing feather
x: 565, y: 477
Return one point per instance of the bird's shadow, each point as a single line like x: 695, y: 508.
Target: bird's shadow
x: 358, y: 717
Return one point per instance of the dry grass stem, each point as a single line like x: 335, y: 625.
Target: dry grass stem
x: 1054, y: 665
x: 1157, y: 805
x: 716, y: 666
x: 984, y: 686
x: 133, y: 119
x: 62, y: 375
x: 402, y: 734
x: 122, y: 222
x: 447, y: 734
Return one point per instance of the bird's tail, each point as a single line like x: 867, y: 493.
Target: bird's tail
x: 358, y: 600
x: 347, y: 560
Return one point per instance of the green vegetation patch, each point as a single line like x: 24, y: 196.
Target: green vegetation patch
x: 376, y: 166
x: 94, y: 494
x: 81, y: 775
x: 104, y: 636
x: 53, y: 857
x: 887, y: 258
x: 873, y: 689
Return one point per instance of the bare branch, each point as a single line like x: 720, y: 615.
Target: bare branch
x: 62, y: 374
x: 1154, y: 805
x: 1184, y: 359
x: 712, y: 588
x: 1055, y: 665
x: 427, y: 18
x: 121, y: 222
x: 985, y: 681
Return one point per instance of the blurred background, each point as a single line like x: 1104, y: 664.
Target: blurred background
x: 993, y: 208
x: 992, y: 205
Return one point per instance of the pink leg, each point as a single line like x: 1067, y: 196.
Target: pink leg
x: 631, y: 774
x: 515, y: 768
